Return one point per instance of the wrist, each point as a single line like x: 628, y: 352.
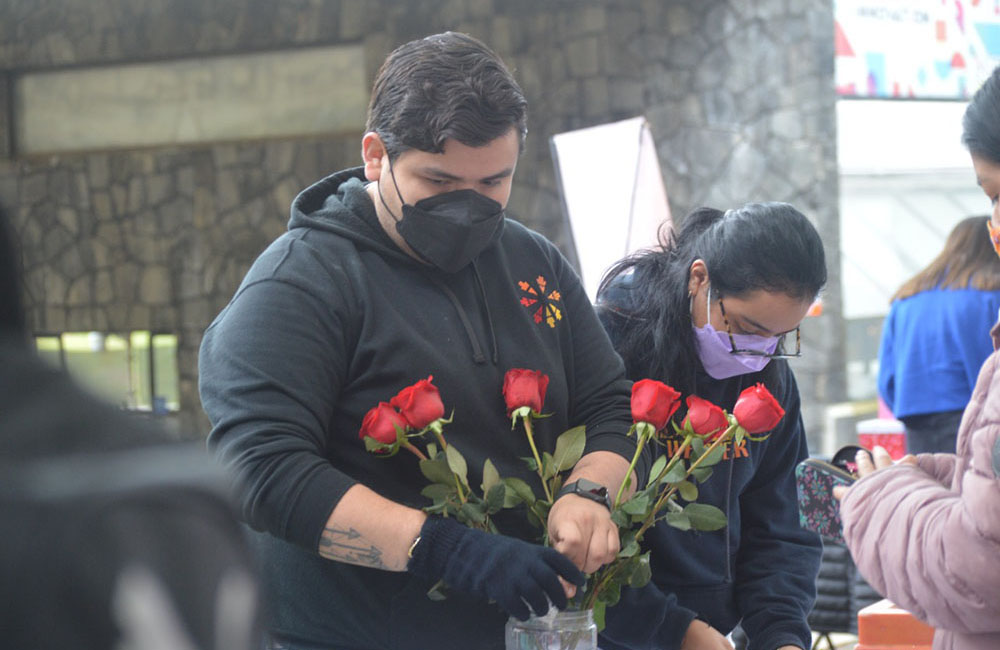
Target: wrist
x: 588, y: 490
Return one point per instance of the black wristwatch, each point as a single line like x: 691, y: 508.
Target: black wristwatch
x: 588, y: 490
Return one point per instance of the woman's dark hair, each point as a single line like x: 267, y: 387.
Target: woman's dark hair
x: 12, y: 322
x: 768, y: 246
x: 981, y: 122
x: 444, y: 86
x: 968, y: 261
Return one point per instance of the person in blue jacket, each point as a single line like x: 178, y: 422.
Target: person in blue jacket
x: 713, y: 311
x: 390, y: 272
x: 936, y: 338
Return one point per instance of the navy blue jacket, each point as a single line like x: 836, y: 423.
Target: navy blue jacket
x: 331, y: 320
x: 761, y: 569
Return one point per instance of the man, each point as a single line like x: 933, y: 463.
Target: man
x: 376, y: 285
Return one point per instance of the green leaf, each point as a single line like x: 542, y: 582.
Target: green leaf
x: 701, y: 474
x: 621, y: 519
x: 457, y: 464
x: 697, y: 446
x: 714, y: 456
x: 655, y: 470
x: 432, y: 449
x: 641, y: 574
x: 687, y: 490
x: 637, y: 505
x: 437, y: 470
x: 599, y: 608
x: 471, y: 513
x: 569, y: 448
x: 675, y: 474
x: 495, y: 498
x: 629, y: 548
x: 438, y: 492
x: 490, y: 476
x: 517, y: 492
x: 530, y: 462
x: 704, y: 516
x: 678, y: 520
x: 740, y: 434
x: 548, y: 465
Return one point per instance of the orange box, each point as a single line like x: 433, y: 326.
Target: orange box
x: 883, y: 626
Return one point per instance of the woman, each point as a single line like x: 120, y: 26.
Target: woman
x: 934, y: 339
x: 925, y: 532
x: 713, y: 311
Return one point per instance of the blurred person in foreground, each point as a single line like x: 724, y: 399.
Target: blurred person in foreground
x: 935, y: 338
x: 925, y: 531
x: 114, y: 536
x: 390, y: 272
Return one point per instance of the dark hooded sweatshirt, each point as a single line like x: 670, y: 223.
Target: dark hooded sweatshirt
x: 760, y: 570
x: 331, y: 320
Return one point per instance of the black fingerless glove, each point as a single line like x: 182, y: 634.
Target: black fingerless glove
x: 511, y: 572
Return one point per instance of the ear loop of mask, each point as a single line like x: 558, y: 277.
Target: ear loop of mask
x: 378, y: 186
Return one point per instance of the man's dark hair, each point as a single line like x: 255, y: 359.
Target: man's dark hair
x: 444, y: 86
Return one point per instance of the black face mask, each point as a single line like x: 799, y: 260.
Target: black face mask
x: 449, y: 230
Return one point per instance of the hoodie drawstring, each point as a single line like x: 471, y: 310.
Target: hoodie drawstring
x: 489, y: 316
x: 477, y: 349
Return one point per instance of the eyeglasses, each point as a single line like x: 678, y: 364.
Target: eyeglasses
x: 779, y: 352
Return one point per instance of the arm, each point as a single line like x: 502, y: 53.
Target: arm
x: 926, y: 547
x: 600, y: 393
x: 778, y: 560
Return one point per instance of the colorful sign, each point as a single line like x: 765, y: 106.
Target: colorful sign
x: 915, y: 49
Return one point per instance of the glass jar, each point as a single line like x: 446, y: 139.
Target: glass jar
x: 571, y: 630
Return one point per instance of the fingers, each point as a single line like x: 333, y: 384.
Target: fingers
x: 909, y: 459
x: 864, y: 460
x: 568, y: 587
x: 840, y: 491
x: 882, y: 457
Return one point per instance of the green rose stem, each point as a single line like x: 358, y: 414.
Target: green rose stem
x: 408, y: 446
x: 525, y: 414
x: 444, y: 445
x: 644, y: 431
x: 670, y: 491
x: 609, y: 572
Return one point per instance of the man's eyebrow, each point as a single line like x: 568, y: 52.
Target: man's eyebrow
x: 440, y: 173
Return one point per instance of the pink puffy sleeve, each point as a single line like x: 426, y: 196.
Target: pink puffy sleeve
x: 932, y: 546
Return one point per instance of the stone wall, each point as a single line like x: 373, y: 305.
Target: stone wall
x: 739, y: 96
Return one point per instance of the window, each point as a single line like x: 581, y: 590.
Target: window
x: 135, y: 370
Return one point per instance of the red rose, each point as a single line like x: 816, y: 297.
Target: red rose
x: 706, y: 419
x: 654, y: 402
x: 522, y: 387
x: 419, y: 404
x: 380, y: 423
x: 756, y: 410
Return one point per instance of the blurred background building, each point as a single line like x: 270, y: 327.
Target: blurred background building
x: 149, y: 150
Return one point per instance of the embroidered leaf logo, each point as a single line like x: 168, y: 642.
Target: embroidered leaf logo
x: 543, y: 306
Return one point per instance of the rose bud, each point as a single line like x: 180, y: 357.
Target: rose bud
x: 756, y: 409
x: 419, y: 404
x: 522, y: 387
x: 380, y: 424
x: 654, y: 402
x: 705, y: 418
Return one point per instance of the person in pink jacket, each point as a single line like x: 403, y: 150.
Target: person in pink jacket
x: 925, y: 531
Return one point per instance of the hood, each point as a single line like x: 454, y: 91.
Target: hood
x: 339, y: 203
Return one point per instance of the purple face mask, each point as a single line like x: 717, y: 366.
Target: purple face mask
x: 716, y: 351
